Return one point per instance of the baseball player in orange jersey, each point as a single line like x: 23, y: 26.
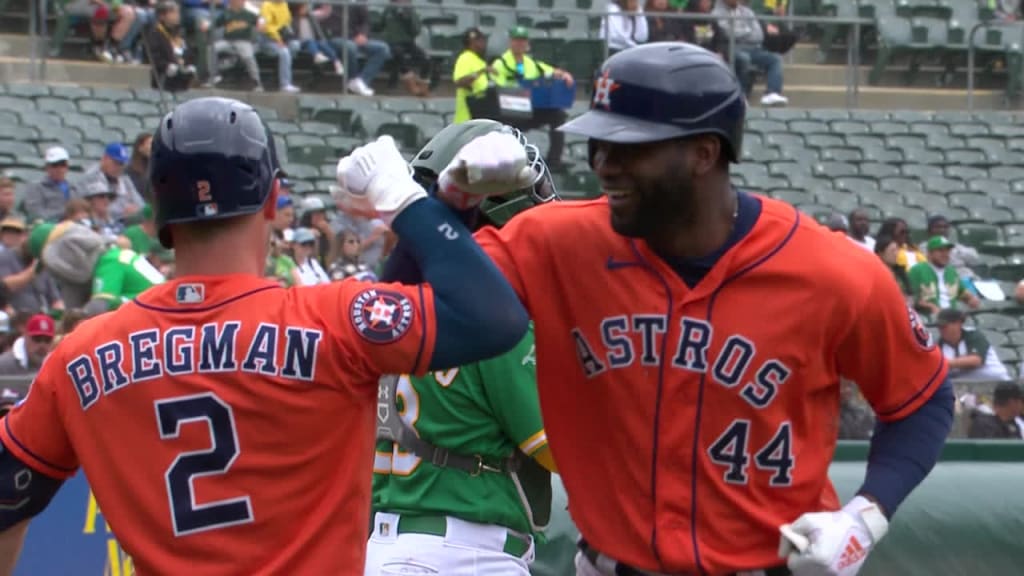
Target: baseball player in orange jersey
x: 226, y: 424
x: 706, y: 331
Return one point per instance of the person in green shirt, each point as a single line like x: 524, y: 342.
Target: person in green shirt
x: 470, y: 74
x: 486, y: 483
x: 516, y: 65
x: 935, y: 284
x: 240, y: 26
x: 141, y: 237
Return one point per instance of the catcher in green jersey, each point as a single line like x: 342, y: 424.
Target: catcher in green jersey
x: 462, y: 471
x: 93, y: 274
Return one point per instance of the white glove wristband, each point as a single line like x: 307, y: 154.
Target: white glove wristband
x: 870, y: 515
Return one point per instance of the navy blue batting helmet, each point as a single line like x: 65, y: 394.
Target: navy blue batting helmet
x: 662, y: 91
x: 211, y: 158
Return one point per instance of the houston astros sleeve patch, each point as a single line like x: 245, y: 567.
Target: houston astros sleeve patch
x: 381, y: 316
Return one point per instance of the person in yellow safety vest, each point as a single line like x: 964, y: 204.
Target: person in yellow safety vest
x: 471, y: 73
x: 516, y: 64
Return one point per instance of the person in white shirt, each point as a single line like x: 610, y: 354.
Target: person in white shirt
x: 310, y: 271
x: 625, y: 26
x: 860, y: 225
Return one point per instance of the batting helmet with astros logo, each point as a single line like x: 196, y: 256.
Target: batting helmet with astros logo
x: 212, y: 158
x: 663, y: 91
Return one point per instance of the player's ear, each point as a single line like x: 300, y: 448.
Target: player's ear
x: 707, y: 150
x: 270, y: 207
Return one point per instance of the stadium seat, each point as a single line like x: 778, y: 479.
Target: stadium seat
x: 877, y: 170
x: 342, y: 118
x: 55, y: 105
x: 28, y: 90
x: 369, y: 121
x: 841, y: 154
x: 318, y: 128
x: 835, y: 169
x: 136, y: 108
x: 995, y: 322
x: 301, y: 139
x: 407, y: 136
x: 279, y: 128
x: 988, y: 187
x: 821, y: 139
x: 923, y: 156
x: 312, y: 154
x: 965, y: 173
x: 400, y: 104
x: 793, y: 195
x: 782, y: 140
x: 1006, y: 173
x: 967, y: 156
x: 97, y: 107
x: 430, y: 123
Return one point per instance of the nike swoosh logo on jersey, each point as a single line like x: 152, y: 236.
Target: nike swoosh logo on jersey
x: 614, y: 264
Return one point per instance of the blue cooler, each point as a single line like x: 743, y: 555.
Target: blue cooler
x: 548, y: 93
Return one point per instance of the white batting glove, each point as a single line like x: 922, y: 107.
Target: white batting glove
x: 376, y: 181
x: 833, y: 543
x: 492, y: 164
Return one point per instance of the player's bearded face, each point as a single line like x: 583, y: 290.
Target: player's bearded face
x: 649, y: 186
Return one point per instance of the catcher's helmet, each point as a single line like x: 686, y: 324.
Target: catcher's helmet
x: 212, y: 158
x: 662, y: 91
x: 442, y: 148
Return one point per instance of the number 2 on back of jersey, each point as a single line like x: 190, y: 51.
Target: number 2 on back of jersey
x: 775, y: 457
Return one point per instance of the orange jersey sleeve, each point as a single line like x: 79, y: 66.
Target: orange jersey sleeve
x: 34, y: 431
x: 378, y: 328
x: 888, y: 351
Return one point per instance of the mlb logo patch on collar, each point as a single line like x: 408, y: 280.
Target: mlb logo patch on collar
x: 190, y: 293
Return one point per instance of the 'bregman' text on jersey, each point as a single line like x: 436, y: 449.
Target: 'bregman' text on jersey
x: 183, y: 350
x: 617, y: 350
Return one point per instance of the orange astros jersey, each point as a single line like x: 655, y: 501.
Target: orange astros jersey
x: 688, y: 424
x: 226, y: 424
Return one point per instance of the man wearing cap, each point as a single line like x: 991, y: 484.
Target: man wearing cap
x: 100, y: 218
x: 999, y: 423
x: 961, y: 257
x: 935, y: 284
x: 30, y: 290
x: 44, y: 200
x: 968, y: 352
x: 28, y: 352
x: 109, y: 176
x: 470, y: 74
x: 516, y: 64
x: 284, y: 218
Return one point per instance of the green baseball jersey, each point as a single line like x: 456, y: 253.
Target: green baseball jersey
x: 489, y: 408
x: 925, y: 284
x: 142, y: 243
x: 122, y: 274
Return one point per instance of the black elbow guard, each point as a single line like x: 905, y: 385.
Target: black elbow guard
x: 24, y: 492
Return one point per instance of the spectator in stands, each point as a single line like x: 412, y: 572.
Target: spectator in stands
x: 308, y: 37
x: 748, y: 37
x: 624, y: 25
x: 888, y: 250
x: 77, y: 210
x: 108, y: 176
x: 662, y: 29
x: 705, y: 34
x: 100, y: 217
x: 471, y: 73
x: 860, y: 225
x: 7, y: 197
x: 402, y: 27
x: 960, y: 257
x: 138, y: 166
x: 280, y: 265
x: 310, y: 271
x: 999, y: 423
x: 44, y: 200
x: 516, y: 64
x: 197, y: 19
x: 837, y: 223
x: 284, y: 218
x: 354, y: 42
x: 108, y: 21
x: 28, y: 352
x: 145, y: 15
x: 314, y: 217
x: 276, y: 33
x: 374, y: 235
x: 856, y: 418
x: 935, y: 284
x: 12, y: 233
x: 167, y: 51
x: 31, y: 290
x: 348, y: 264
x: 968, y: 352
x: 142, y: 237
x: 897, y: 229
x: 238, y: 25
x: 70, y: 320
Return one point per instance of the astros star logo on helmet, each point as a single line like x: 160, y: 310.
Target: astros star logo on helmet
x: 603, y: 90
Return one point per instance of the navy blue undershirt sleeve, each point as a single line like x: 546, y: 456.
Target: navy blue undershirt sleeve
x: 24, y: 501
x: 478, y: 313
x: 904, y: 452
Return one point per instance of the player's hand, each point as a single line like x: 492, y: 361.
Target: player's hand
x: 375, y: 180
x: 833, y: 543
x: 489, y: 165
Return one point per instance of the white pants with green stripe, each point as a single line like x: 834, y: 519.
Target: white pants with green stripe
x: 466, y: 549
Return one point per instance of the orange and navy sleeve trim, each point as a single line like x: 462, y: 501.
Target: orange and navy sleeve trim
x: 919, y: 397
x: 30, y: 458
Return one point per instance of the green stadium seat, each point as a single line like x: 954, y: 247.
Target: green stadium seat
x: 28, y: 90
x: 879, y: 170
x: 989, y: 187
x: 904, y: 186
x: 966, y: 173
x: 443, y: 105
x: 369, y: 121
x: 819, y: 212
x: 802, y: 156
x: 70, y: 92
x: 139, y: 108
x: 20, y: 133
x: 583, y: 56
x: 25, y: 175
x: 822, y: 140
x: 870, y: 116
x: 300, y: 170
x: 108, y: 134
x: 1006, y: 173
x: 760, y: 154
x: 923, y: 156
x: 855, y: 185
x: 997, y: 338
x: 793, y: 196
x: 97, y: 107
x: 313, y: 154
x: 765, y: 126
x: 989, y: 214
x: 850, y: 128
x: 279, y: 128
x: 782, y: 140
x: 301, y: 139
x: 808, y: 127
x: 400, y: 104
x: 841, y: 154
x: 55, y: 105
x: 1007, y: 129
x: 318, y: 128
x: 944, y: 142
x: 968, y: 200
x: 995, y: 322
x: 407, y: 136
x: 342, y: 118
x: 864, y: 141
x: 113, y: 94
x: 16, y: 148
x: 835, y: 169
x: 130, y: 124
x: 967, y: 156
x: 942, y: 185
x: 789, y: 114
x: 977, y: 234
x: 921, y: 171
x: 968, y: 130
x: 887, y: 128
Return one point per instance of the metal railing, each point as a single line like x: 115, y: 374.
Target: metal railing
x: 971, y: 50
x: 40, y: 8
